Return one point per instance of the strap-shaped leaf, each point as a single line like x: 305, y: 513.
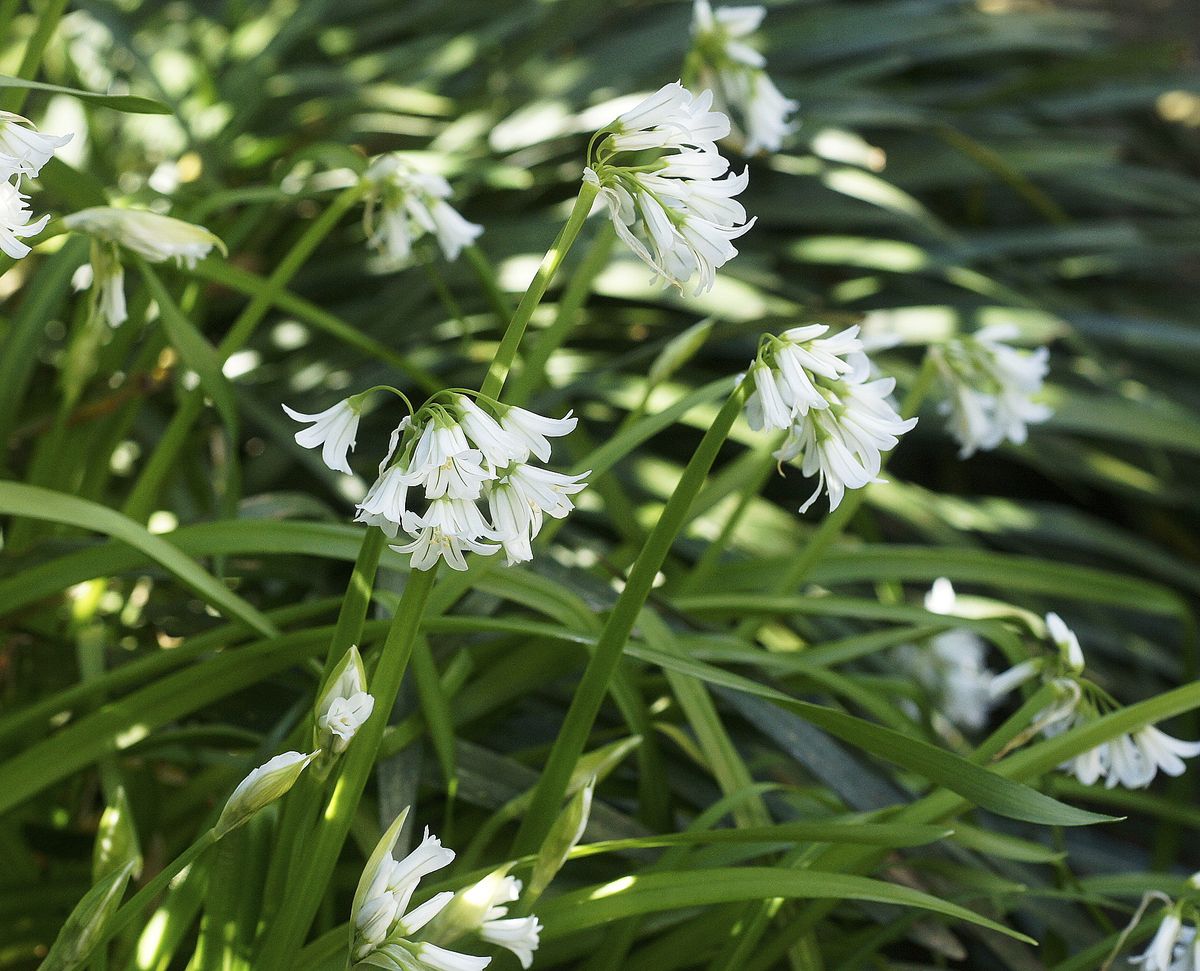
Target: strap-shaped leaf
x: 56, y: 507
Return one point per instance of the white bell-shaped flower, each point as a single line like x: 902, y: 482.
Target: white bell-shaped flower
x: 333, y: 429
x: 14, y: 222
x: 24, y: 149
x: 734, y: 70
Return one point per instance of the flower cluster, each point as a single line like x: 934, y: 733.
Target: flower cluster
x: 952, y: 667
x: 991, y: 388
x: 403, y: 204
x: 444, y: 466
x: 1130, y: 760
x: 23, y: 152
x: 152, y: 236
x: 819, y: 390
x: 734, y: 70
x: 383, y: 928
x: 666, y: 186
x: 482, y: 910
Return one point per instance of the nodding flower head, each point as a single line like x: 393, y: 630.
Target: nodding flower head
x: 667, y: 188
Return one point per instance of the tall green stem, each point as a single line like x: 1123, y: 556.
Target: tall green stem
x: 140, y: 503
x: 833, y: 524
x: 551, y: 339
x: 507, y: 351
x: 585, y: 706
x: 285, y: 936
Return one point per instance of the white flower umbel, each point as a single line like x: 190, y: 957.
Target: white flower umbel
x: 14, y: 222
x: 23, y: 149
x: 333, y: 429
x: 155, y: 237
x: 667, y: 188
x: 344, y: 705
x: 723, y: 61
x: 382, y: 922
x: 457, y: 464
x: 1131, y: 760
x: 404, y: 204
x: 260, y: 788
x: 991, y: 388
x: 481, y: 910
x: 839, y: 423
x: 952, y: 666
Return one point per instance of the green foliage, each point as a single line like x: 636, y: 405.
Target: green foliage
x: 178, y: 578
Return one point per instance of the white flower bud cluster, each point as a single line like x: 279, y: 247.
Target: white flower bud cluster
x: 23, y: 152
x: 385, y: 927
x: 735, y: 71
x: 404, y: 204
x: 818, y: 390
x: 675, y: 209
x: 458, y: 477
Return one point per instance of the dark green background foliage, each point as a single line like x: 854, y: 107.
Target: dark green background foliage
x: 956, y: 164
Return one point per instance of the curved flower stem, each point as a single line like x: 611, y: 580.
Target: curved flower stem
x: 507, y: 351
x: 572, y: 737
x: 833, y: 524
x: 145, y: 491
x: 311, y: 876
x: 31, y: 60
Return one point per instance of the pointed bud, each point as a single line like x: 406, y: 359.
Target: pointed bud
x: 85, y: 927
x: 566, y: 832
x: 342, y: 708
x: 116, y: 840
x: 260, y: 788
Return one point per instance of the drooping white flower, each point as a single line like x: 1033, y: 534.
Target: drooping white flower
x: 991, y: 388
x: 839, y: 423
x: 14, y: 222
x: 481, y: 910
x: 1173, y: 947
x: 334, y: 429
x: 520, y: 935
x: 156, y: 237
x: 675, y: 212
x: 23, y: 149
x: 439, y: 959
x: 459, y: 479
x: 1130, y: 760
x: 404, y: 204
x: 953, y: 665
x: 518, y: 500
x: 105, y: 277
x: 261, y: 787
x: 727, y: 64
x: 1067, y: 643
x: 447, y: 529
x: 531, y: 432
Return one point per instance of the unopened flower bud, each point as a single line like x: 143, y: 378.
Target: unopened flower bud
x: 260, y: 788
